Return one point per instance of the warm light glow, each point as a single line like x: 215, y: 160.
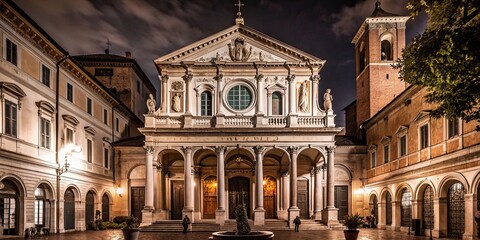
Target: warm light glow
x: 120, y: 191
x: 215, y: 184
x: 72, y: 148
x: 362, y: 190
x: 264, y: 182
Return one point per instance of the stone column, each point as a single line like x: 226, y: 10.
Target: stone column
x: 220, y: 212
x: 147, y: 212
x: 318, y: 194
x: 315, y: 79
x: 219, y: 116
x: 187, y: 171
x: 197, y: 175
x: 259, y: 212
x: 293, y: 211
x: 382, y: 213
x: 157, y: 174
x: 291, y: 94
x: 163, y: 106
x: 269, y: 104
x: 285, y: 193
x: 187, y: 78
x: 330, y: 214
x: 260, y: 101
x: 469, y: 216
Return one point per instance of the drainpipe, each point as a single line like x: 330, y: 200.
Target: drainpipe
x: 57, y: 154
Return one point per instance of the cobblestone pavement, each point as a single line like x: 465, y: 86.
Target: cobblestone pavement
x: 365, y: 234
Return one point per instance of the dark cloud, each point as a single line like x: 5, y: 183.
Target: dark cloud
x: 153, y: 28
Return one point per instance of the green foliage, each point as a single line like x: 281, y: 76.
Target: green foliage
x: 446, y: 57
x: 112, y: 225
x: 120, y: 219
x: 352, y: 222
x: 243, y: 227
x: 125, y: 222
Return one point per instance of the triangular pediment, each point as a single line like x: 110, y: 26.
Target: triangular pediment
x: 248, y: 44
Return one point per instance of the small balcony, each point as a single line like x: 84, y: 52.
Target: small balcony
x: 257, y: 121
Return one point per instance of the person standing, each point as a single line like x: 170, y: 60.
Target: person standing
x: 477, y: 220
x: 185, y: 223
x: 297, y: 223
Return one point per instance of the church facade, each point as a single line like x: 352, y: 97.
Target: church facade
x: 239, y: 123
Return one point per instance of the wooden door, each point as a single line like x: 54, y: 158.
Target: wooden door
x: 341, y: 201
x: 69, y: 210
x: 270, y: 197
x: 209, y: 197
x: 137, y: 201
x: 178, y: 199
x: 238, y: 194
x: 302, y: 198
x: 89, y: 210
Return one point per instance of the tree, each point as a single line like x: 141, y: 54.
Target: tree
x: 446, y: 57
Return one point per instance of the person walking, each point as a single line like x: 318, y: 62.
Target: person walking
x: 185, y: 223
x: 297, y: 223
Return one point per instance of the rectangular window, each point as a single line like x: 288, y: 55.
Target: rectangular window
x: 105, y: 116
x: 138, y: 86
x: 453, y: 126
x: 10, y: 118
x: 89, y: 150
x: 45, y: 133
x: 386, y: 153
x: 69, y: 136
x: 105, y: 158
x: 11, y: 53
x: 117, y: 125
x: 46, y: 76
x: 424, y: 136
x: 403, y: 146
x: 373, y: 156
x: 70, y: 92
x: 89, y: 106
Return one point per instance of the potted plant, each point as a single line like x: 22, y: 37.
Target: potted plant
x: 131, y: 229
x: 352, y: 223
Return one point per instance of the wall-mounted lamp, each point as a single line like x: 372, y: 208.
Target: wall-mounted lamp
x: 69, y: 150
x: 119, y: 191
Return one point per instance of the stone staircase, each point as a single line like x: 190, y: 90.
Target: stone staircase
x: 230, y: 225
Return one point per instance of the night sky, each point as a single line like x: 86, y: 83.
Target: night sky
x: 152, y: 28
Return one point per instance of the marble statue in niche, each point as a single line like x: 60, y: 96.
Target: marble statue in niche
x: 238, y: 50
x: 151, y: 103
x: 327, y: 100
x: 176, y: 102
x: 303, y: 97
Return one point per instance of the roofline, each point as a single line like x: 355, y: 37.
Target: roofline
x: 349, y: 105
x: 239, y: 27
x: 65, y: 53
x: 369, y: 20
x: 127, y: 60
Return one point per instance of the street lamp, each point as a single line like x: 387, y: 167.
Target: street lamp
x: 69, y: 150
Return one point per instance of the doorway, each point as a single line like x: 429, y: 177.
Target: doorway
x: 269, y: 197
x: 69, y: 210
x: 209, y: 197
x: 341, y: 201
x: 178, y: 199
x: 137, y: 201
x: 238, y: 194
x: 302, y: 186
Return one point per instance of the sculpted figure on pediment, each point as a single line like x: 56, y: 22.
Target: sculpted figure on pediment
x: 327, y: 100
x: 239, y: 51
x: 151, y: 104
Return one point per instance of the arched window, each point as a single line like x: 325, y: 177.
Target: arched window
x: 39, y: 207
x: 206, y: 104
x: 388, y: 203
x: 105, y: 208
x: 89, y: 210
x: 69, y: 209
x: 428, y: 208
x: 406, y: 208
x: 386, y: 46
x: 456, y: 211
x: 277, y: 103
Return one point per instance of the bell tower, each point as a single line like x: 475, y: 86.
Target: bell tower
x: 378, y: 43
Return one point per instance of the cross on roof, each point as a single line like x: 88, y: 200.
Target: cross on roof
x: 239, y: 5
